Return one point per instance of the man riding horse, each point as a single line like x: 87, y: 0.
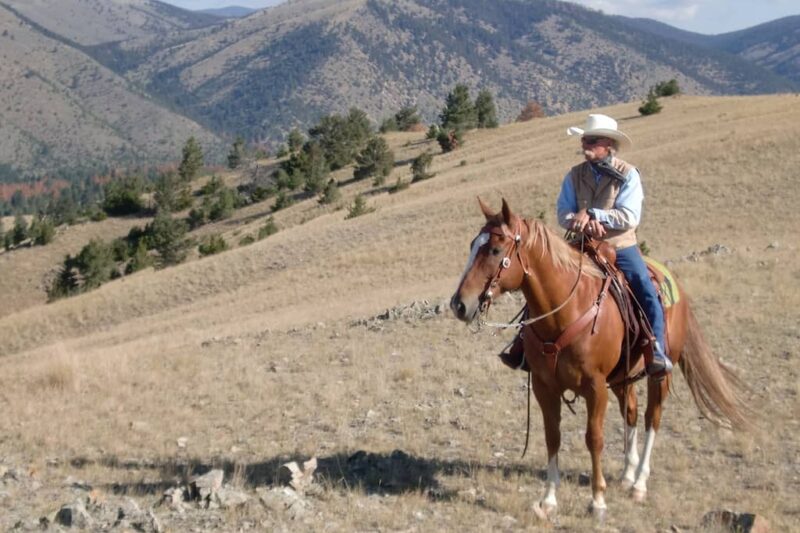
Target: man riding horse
x: 602, y: 198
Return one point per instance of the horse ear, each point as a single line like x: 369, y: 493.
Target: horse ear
x: 487, y: 211
x: 507, y: 214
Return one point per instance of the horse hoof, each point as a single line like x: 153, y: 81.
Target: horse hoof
x: 639, y: 495
x: 626, y: 484
x: 599, y: 514
x: 543, y: 511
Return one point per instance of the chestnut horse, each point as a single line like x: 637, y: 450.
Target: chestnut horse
x: 510, y: 253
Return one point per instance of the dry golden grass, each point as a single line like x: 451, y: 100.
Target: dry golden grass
x: 252, y: 357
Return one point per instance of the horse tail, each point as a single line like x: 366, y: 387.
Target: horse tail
x: 717, y: 390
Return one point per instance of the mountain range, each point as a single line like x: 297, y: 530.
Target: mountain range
x: 128, y: 81
x: 229, y: 11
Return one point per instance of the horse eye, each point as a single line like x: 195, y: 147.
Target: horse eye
x: 495, y: 251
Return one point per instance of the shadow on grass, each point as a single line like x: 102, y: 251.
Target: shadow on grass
x: 373, y: 473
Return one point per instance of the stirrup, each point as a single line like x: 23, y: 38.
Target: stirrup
x: 659, y: 369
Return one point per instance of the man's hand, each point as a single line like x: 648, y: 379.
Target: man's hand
x: 581, y: 221
x: 595, y: 229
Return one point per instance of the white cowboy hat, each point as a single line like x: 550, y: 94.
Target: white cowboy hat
x: 602, y: 126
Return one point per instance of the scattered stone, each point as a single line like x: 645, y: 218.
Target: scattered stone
x: 284, y: 500
x: 714, y: 249
x: 182, y: 442
x: 73, y: 515
x: 291, y: 474
x: 458, y: 424
x: 509, y: 520
x: 154, y: 523
x: 469, y: 495
x: 736, y: 522
x: 773, y: 245
x: 73, y: 483
x: 138, y: 425
x: 202, y: 487
x: 229, y: 498
x: 174, y: 497
x: 417, y: 310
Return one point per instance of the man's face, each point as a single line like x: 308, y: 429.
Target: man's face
x: 595, y: 148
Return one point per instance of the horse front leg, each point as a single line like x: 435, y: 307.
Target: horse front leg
x: 626, y: 395
x: 550, y: 404
x: 596, y: 404
x: 657, y: 392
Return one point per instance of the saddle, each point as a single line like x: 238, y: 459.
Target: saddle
x: 637, y: 349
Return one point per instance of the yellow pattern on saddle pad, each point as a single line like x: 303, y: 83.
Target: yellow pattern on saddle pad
x: 669, y: 287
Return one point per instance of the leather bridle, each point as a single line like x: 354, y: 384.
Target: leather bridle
x: 515, y: 238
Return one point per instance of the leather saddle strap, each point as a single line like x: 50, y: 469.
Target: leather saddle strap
x: 552, y: 349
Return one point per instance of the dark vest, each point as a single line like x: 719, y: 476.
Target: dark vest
x: 602, y: 195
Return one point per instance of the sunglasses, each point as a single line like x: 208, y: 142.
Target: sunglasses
x: 591, y: 140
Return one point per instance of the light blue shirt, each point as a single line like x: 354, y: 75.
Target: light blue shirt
x: 625, y: 214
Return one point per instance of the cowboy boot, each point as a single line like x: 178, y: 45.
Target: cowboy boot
x: 660, y: 365
x: 513, y: 356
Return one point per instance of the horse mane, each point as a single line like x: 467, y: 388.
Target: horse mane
x: 562, y: 255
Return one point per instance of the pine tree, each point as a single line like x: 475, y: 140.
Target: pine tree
x: 20, y: 231
x: 192, y: 160
x: 331, y: 194
x: 459, y: 113
x: 237, y: 154
x: 295, y: 140
x: 172, y: 193
x: 375, y: 160
x: 667, y: 88
x: 341, y: 138
x: 123, y: 196
x: 66, y: 282
x: 407, y: 118
x: 95, y: 262
x: 486, y: 110
x: 140, y: 259
x: 212, y: 244
x: 168, y: 237
x: 359, y: 207
x: 650, y: 106
x: 42, y: 231
x: 314, y: 167
x: 420, y: 167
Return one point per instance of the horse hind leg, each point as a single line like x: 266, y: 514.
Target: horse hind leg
x: 629, y: 409
x: 657, y: 392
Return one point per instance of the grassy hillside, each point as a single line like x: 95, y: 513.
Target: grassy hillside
x: 256, y: 355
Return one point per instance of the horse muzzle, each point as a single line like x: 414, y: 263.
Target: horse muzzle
x: 466, y: 311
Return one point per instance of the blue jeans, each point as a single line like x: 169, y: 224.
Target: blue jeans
x: 630, y: 261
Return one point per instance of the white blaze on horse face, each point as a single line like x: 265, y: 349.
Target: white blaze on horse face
x: 479, y: 241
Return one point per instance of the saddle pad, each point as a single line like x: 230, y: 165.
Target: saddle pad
x: 668, y: 286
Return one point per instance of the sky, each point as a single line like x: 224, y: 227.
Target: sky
x: 702, y: 16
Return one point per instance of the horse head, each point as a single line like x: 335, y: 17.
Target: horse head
x: 494, y: 265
